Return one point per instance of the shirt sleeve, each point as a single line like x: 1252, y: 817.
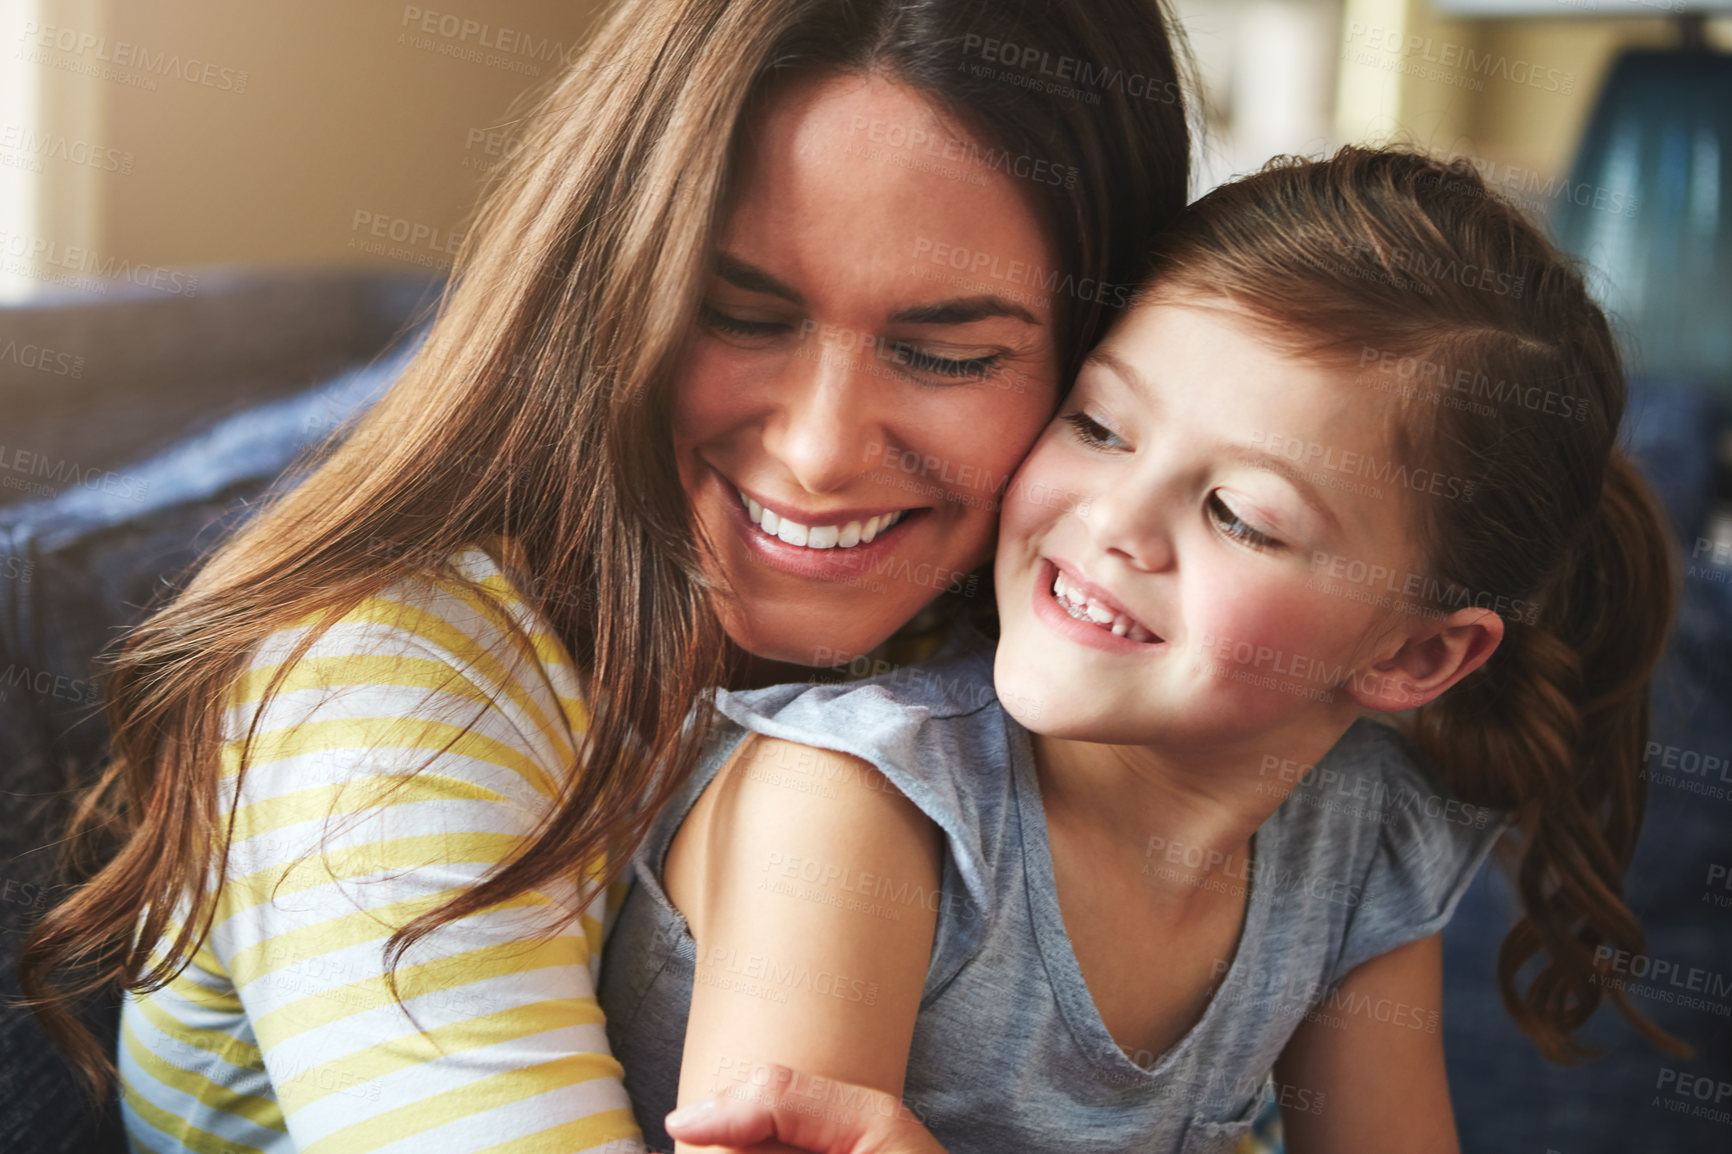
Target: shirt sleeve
x: 1428, y: 849
x: 396, y: 765
x: 955, y: 783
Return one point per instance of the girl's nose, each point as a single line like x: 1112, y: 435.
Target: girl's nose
x: 1132, y: 522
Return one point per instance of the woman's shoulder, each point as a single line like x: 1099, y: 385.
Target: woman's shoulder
x: 454, y: 653
x: 467, y: 610
x: 469, y: 606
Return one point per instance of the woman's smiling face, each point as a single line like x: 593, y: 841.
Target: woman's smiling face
x: 872, y: 361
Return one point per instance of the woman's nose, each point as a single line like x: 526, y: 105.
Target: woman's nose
x: 825, y: 420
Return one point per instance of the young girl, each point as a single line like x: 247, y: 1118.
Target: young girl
x: 1348, y: 460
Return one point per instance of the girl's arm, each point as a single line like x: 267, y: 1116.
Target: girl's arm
x: 1376, y: 1082
x: 811, y: 887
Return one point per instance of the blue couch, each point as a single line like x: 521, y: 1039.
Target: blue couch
x: 76, y: 568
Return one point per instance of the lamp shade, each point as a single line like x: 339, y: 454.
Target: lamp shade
x: 1647, y: 209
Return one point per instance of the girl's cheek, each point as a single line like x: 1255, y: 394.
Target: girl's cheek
x: 1253, y: 626
x: 1052, y: 481
x: 1020, y: 518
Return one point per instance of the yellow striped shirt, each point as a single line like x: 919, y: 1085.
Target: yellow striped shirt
x: 281, y: 1034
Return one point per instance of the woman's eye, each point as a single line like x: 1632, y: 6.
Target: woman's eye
x: 971, y: 369
x: 1093, y: 433
x: 1235, y: 527
x: 714, y: 318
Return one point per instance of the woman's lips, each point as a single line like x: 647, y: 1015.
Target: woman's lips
x: 841, y: 530
x: 1119, y: 633
x: 835, y: 563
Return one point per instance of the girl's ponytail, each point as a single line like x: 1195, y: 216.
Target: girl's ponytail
x: 1565, y: 699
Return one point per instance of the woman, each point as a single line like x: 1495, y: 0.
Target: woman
x: 773, y: 298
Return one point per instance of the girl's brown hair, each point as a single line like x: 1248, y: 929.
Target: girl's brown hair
x: 537, y: 412
x: 1502, y: 373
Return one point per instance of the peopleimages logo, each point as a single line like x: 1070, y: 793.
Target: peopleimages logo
x: 1419, y: 587
x: 36, y: 146
x: 1474, y: 384
x: 1530, y: 186
x: 993, y: 267
x: 1312, y: 456
x: 42, y: 359
x: 56, y: 473
x: 1423, y: 271
x: 956, y: 148
x: 1061, y: 71
x: 1470, y: 61
x: 478, y: 42
x: 122, y: 54
x: 86, y: 268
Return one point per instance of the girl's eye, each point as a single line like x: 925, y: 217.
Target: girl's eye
x: 714, y: 318
x: 1230, y: 523
x: 1092, y: 433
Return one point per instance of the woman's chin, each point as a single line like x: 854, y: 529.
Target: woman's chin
x: 817, y: 625
x: 807, y: 649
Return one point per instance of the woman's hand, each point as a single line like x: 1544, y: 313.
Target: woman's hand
x: 771, y: 1122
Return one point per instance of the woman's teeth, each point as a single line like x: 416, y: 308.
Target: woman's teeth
x: 818, y: 536
x: 1072, y: 601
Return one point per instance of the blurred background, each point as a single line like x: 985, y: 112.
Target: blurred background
x: 192, y: 135
x: 188, y: 149
x: 216, y: 219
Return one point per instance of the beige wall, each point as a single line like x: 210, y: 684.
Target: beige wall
x: 1535, y: 127
x: 298, y: 117
x: 308, y: 124
x: 1545, y: 131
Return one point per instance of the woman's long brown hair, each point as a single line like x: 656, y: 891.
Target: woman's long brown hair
x: 537, y: 412
x: 1505, y: 375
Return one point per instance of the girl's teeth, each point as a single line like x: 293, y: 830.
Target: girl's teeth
x: 817, y: 536
x: 1071, y: 600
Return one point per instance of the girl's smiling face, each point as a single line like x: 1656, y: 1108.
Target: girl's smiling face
x: 1210, y: 479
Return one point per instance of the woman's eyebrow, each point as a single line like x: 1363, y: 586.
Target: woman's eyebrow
x: 959, y: 311
x: 962, y: 311
x: 753, y: 279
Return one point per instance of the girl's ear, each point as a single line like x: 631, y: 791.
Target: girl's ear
x: 1435, y: 656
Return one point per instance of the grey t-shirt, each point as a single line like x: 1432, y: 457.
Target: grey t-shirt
x: 1009, y: 1052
